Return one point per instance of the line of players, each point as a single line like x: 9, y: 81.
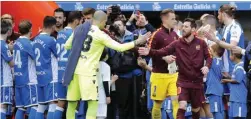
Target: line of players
x: 38, y: 68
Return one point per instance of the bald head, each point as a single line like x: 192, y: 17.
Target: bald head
x: 99, y: 16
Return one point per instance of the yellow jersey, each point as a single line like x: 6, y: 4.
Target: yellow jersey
x: 93, y: 48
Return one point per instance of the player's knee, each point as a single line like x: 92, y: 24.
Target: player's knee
x: 196, y: 109
x: 183, y: 105
x: 157, y: 103
x: 41, y: 108
x: 61, y: 103
x: 3, y: 106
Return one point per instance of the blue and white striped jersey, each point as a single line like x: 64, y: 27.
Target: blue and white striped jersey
x: 6, y: 57
x: 24, y: 59
x: 63, y: 54
x: 46, y: 59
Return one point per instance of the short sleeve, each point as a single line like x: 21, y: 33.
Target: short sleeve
x: 53, y: 47
x: 239, y: 74
x: 105, y: 72
x: 30, y: 51
x: 5, y: 52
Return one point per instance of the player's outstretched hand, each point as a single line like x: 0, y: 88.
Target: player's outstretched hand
x: 143, y: 38
x: 143, y: 51
x: 108, y: 100
x: 169, y: 59
x: 204, y: 70
x: 210, y: 35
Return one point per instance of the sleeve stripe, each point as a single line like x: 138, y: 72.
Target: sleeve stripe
x: 151, y: 39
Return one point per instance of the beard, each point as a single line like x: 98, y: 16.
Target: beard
x: 186, y: 34
x: 58, y: 25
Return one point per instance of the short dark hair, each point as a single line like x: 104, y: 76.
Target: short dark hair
x: 5, y: 26
x: 88, y: 11
x: 219, y: 50
x: 59, y: 10
x: 192, y: 21
x: 237, y: 55
x: 74, y: 15
x: 24, y: 27
x: 166, y: 11
x: 228, y: 9
x: 49, y: 21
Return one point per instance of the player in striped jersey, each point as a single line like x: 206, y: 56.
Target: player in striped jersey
x: 25, y: 72
x: 233, y: 35
x: 214, y: 90
x: 6, y: 62
x: 74, y: 19
x: 46, y: 68
x: 238, y: 89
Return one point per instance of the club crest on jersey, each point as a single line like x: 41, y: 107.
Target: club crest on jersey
x: 197, y: 47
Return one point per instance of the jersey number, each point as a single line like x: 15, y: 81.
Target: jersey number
x: 37, y: 52
x: 59, y: 48
x: 18, y: 60
x: 87, y: 44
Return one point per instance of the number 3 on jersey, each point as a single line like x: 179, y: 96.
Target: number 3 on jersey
x: 87, y: 44
x: 37, y: 52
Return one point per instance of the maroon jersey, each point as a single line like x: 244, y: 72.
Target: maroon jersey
x: 190, y: 59
x: 160, y: 39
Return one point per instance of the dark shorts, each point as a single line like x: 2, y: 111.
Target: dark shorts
x: 195, y: 96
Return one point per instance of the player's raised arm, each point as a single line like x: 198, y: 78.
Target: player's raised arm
x: 100, y: 19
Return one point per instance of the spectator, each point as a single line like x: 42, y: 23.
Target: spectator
x: 142, y: 24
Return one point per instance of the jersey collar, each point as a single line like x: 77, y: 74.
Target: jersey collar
x: 231, y: 23
x: 44, y: 33
x: 67, y: 27
x: 23, y: 37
